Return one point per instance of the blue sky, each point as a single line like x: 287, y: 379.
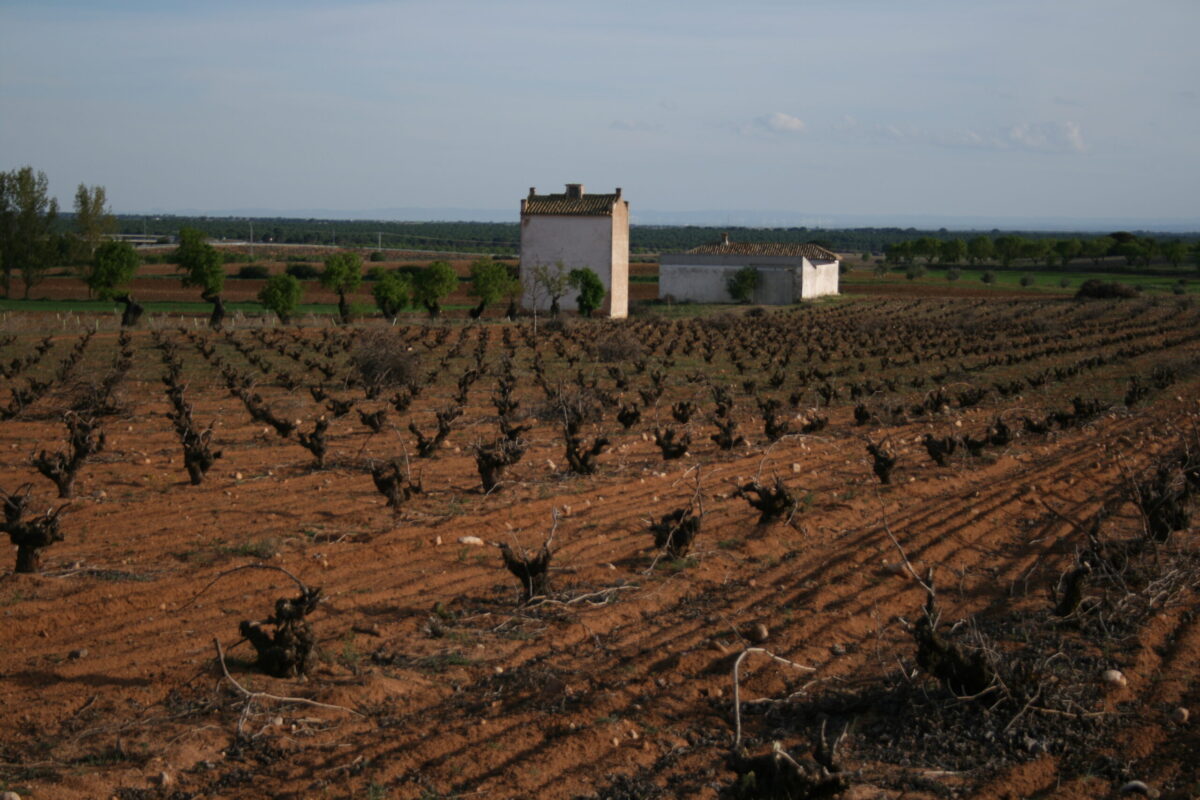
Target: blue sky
x: 1082, y: 109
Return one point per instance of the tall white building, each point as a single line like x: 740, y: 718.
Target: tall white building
x: 574, y: 230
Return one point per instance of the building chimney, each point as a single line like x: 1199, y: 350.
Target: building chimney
x: 532, y: 191
x: 618, y: 192
x: 574, y: 190
x: 724, y: 239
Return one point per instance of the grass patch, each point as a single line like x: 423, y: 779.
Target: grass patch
x: 443, y: 661
x: 255, y: 548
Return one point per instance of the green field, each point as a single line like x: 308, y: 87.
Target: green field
x: 1047, y: 281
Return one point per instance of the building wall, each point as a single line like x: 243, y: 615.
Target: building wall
x: 819, y: 280
x: 618, y: 283
x: 699, y: 283
x: 598, y: 243
x: 703, y: 278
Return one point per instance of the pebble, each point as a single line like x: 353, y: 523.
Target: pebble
x: 9, y: 796
x: 471, y: 540
x: 1114, y: 678
x: 75, y: 655
x: 164, y: 779
x: 1180, y: 716
x: 758, y: 633
x: 1137, y: 787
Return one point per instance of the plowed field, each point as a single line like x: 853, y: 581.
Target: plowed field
x: 432, y: 675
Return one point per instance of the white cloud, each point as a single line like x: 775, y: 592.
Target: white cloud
x: 779, y: 122
x: 1054, y: 137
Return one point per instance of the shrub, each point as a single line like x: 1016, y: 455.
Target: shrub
x: 377, y: 256
x: 281, y: 294
x: 433, y: 285
x: 391, y: 293
x: 303, y: 271
x: 1027, y: 281
x: 953, y: 274
x: 741, y: 284
x: 591, y: 290
x: 1105, y: 290
x: 619, y: 345
x: 1064, y: 282
x: 988, y: 277
x: 914, y: 271
x: 254, y: 271
x: 381, y: 358
x: 1179, y: 287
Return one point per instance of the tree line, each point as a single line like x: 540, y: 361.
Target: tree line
x: 503, y: 238
x: 1004, y: 250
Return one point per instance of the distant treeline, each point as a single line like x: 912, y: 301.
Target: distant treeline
x: 503, y: 238
x: 1006, y: 249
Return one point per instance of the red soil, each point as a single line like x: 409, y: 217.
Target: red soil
x: 108, y: 675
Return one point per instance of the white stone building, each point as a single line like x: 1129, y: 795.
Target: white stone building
x: 786, y: 272
x: 576, y: 230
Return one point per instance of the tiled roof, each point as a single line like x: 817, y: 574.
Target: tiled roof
x: 813, y: 252
x: 589, y: 205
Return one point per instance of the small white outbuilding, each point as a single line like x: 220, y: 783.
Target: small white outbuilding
x: 786, y: 272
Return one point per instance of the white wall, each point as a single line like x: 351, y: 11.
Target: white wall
x: 819, y: 279
x: 698, y: 283
x: 618, y: 282
x: 576, y: 242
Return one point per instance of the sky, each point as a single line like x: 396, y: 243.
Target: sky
x: 997, y: 109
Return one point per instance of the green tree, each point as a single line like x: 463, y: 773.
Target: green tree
x: 1067, y: 249
x: 27, y: 218
x: 433, y: 285
x: 741, y: 284
x: 1097, y: 249
x: 281, y: 294
x: 550, y: 282
x: 1132, y: 252
x: 343, y: 273
x: 952, y: 251
x: 980, y: 249
x: 490, y: 281
x: 391, y: 293
x: 591, y: 290
x: 93, y: 218
x: 1038, y: 251
x: 898, y: 253
x: 927, y: 246
x: 202, y: 267
x: 113, y: 266
x: 1008, y: 248
x: 1175, y: 252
